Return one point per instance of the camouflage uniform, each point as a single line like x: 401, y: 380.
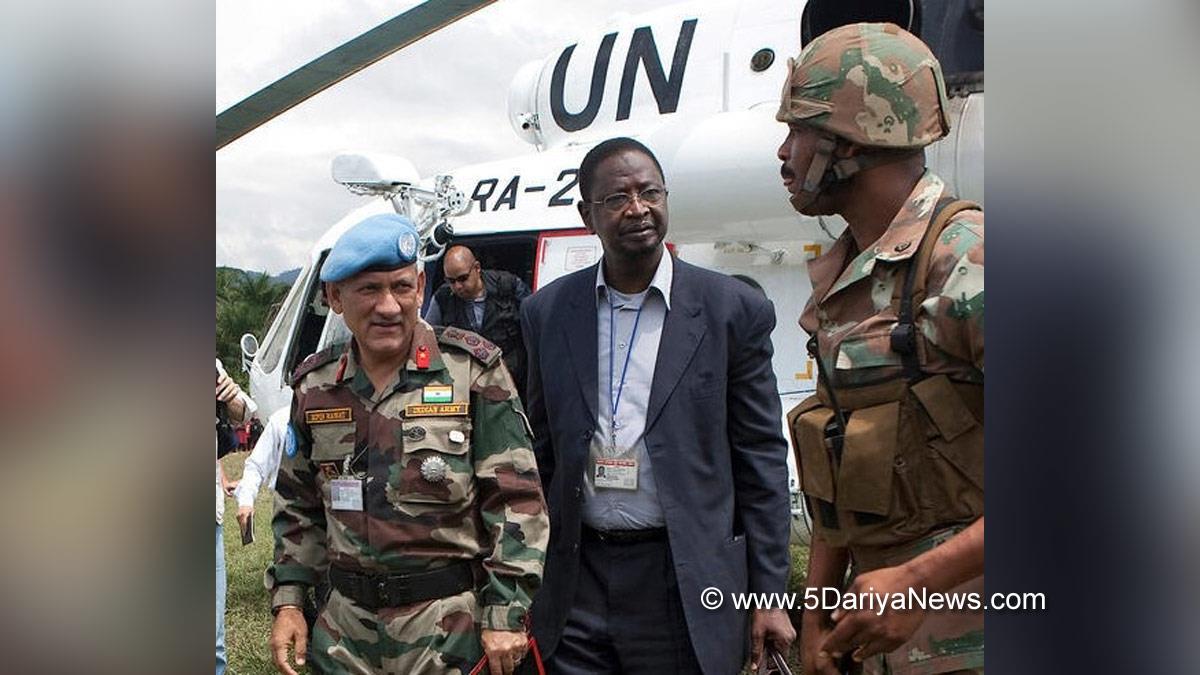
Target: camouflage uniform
x: 453, y: 480
x: 851, y: 309
x: 905, y: 472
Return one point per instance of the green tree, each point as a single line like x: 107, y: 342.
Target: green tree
x: 246, y: 303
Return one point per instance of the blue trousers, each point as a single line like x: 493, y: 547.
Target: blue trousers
x: 220, y: 602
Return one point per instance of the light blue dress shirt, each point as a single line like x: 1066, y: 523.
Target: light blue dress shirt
x: 614, y: 508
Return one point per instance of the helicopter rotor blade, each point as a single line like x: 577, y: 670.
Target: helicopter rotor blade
x: 338, y: 64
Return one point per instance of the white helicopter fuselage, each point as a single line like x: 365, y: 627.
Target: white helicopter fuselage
x: 698, y: 83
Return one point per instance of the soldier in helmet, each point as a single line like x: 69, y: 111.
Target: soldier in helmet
x: 408, y: 478
x: 890, y: 449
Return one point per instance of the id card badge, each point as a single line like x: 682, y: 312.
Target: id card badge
x: 613, y: 473
x: 346, y: 494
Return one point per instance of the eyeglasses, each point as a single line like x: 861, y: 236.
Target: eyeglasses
x: 620, y: 201
x: 461, y: 279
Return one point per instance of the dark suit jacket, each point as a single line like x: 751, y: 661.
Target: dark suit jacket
x: 713, y: 433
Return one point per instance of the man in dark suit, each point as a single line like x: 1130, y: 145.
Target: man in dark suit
x: 657, y: 431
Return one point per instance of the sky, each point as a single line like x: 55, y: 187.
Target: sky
x: 440, y: 102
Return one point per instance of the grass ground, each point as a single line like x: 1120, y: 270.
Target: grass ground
x: 247, y: 612
x: 247, y: 607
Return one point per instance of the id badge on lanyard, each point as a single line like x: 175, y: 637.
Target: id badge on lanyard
x: 346, y: 494
x: 346, y: 491
x: 617, y: 473
x: 613, y: 467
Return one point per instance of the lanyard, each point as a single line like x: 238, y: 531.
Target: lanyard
x: 612, y: 330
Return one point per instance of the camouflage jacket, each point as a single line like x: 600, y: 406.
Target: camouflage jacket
x: 851, y: 311
x: 447, y: 469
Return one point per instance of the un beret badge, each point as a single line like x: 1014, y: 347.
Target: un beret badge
x: 408, y: 245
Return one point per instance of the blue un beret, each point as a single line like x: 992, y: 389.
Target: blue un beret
x: 388, y: 241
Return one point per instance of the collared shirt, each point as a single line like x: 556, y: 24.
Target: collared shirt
x: 477, y: 307
x: 263, y: 463
x: 610, y: 508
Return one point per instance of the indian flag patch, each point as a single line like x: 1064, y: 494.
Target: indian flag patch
x: 437, y: 393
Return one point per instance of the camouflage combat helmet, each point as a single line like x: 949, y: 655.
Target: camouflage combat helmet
x: 873, y: 84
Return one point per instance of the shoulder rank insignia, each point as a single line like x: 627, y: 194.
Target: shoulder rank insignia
x: 327, y: 355
x: 484, y: 351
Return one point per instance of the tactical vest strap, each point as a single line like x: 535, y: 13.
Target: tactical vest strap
x: 825, y: 390
x: 904, y: 336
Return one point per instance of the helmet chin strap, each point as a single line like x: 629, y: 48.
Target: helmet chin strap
x: 819, y: 175
x: 824, y: 170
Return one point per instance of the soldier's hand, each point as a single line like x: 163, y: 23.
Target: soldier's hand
x: 243, y: 514
x: 773, y: 625
x: 288, y: 629
x: 504, y: 649
x: 814, y: 628
x: 865, y: 632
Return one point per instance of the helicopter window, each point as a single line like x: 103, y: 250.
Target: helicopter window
x: 310, y: 326
x: 335, y: 331
x: 277, y: 338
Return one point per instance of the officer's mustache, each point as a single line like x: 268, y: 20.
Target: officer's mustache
x: 638, y: 226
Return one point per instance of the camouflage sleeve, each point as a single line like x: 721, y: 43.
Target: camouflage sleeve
x: 511, y: 505
x: 952, y: 313
x: 299, y: 520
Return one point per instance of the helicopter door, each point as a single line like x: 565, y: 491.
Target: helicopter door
x: 564, y: 251
x: 511, y: 252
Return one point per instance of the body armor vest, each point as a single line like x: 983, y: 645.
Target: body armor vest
x: 888, y: 462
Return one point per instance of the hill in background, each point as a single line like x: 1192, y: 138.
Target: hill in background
x: 285, y: 278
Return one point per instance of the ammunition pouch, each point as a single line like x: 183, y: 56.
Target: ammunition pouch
x: 909, y: 462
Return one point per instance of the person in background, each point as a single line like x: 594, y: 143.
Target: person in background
x: 262, y: 464
x: 261, y: 469
x: 487, y: 302
x: 243, y: 436
x: 238, y: 408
